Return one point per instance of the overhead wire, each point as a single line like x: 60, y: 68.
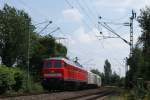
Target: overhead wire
x: 115, y: 24
x: 69, y: 3
x: 95, y: 10
x: 46, y: 17
x: 87, y: 24
x: 45, y: 27
x: 89, y: 9
x: 94, y: 15
x: 112, y: 47
x: 24, y: 4
x: 86, y: 13
x: 115, y: 52
x: 35, y: 9
x: 85, y: 21
x: 89, y: 18
x: 39, y: 23
x: 115, y: 20
x: 82, y: 8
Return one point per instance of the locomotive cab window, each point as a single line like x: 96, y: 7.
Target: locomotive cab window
x: 57, y: 64
x: 48, y: 64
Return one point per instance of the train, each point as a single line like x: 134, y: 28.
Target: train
x: 59, y: 73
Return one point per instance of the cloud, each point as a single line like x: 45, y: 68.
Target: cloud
x: 72, y: 14
x: 85, y: 45
x: 84, y: 37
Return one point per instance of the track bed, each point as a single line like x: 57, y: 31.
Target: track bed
x: 90, y: 94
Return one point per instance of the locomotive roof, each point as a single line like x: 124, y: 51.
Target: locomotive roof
x: 67, y: 61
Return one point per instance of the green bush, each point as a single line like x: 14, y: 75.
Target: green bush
x: 10, y: 79
x: 18, y: 77
x: 6, y: 79
x: 14, y: 80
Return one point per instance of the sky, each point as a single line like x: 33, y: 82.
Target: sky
x: 78, y: 22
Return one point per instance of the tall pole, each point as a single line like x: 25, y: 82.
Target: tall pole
x: 131, y: 32
x: 28, y: 62
x: 131, y: 35
x: 130, y: 24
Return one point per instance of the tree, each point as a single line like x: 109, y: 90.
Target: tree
x: 144, y: 20
x: 139, y: 62
x: 15, y: 29
x: 115, y: 79
x: 108, y: 79
x: 43, y: 48
x: 15, y: 26
x: 107, y: 71
x: 16, y: 32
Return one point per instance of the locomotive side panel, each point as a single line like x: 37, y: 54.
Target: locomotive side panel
x: 74, y: 73
x: 60, y: 73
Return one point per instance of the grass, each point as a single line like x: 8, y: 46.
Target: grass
x: 124, y: 94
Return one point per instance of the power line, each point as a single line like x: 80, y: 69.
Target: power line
x: 69, y: 3
x: 82, y: 19
x: 86, y: 23
x: 45, y: 27
x: 112, y: 23
x: 54, y: 30
x: 91, y: 12
x: 86, y: 14
x: 32, y: 8
x: 41, y: 23
x: 111, y: 30
x: 117, y: 19
x: 96, y: 12
x: 108, y: 43
x: 38, y: 12
x: 106, y: 37
x: 88, y: 9
x: 84, y: 10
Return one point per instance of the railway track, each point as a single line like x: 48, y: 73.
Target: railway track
x: 91, y: 94
x: 27, y: 94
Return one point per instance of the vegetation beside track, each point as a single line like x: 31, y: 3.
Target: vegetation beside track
x: 13, y: 81
x: 16, y: 31
x: 130, y: 94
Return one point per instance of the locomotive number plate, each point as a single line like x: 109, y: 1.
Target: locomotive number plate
x: 53, y: 74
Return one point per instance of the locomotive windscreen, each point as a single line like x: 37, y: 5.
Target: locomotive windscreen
x: 53, y: 64
x: 57, y: 64
x: 48, y: 64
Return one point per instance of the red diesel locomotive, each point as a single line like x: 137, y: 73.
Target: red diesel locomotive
x: 61, y: 73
